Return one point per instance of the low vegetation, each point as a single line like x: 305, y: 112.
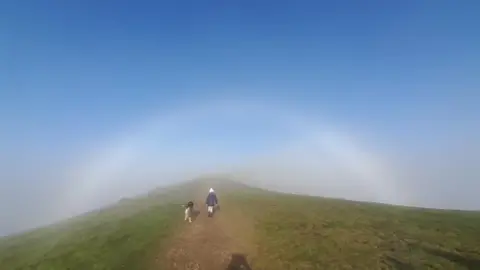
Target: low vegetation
x: 300, y: 232
x: 290, y: 232
x: 125, y: 236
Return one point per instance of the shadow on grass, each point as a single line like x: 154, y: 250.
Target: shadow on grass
x: 397, y: 264
x: 238, y: 262
x: 460, y: 259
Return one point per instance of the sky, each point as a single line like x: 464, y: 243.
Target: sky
x: 373, y: 100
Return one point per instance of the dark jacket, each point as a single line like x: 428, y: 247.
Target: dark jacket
x: 211, y: 199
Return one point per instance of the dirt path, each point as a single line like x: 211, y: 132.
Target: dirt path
x: 221, y: 242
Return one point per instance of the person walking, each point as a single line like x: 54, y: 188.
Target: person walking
x: 211, y: 201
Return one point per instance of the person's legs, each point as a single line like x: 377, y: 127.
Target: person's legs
x: 210, y: 210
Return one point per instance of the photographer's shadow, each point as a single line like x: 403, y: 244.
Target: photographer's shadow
x: 238, y: 262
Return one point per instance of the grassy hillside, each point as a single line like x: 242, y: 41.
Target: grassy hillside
x: 125, y: 236
x: 290, y: 232
x: 300, y: 232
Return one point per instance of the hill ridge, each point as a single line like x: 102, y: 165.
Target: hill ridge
x: 285, y: 231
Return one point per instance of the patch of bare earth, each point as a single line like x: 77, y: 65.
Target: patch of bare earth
x: 221, y: 242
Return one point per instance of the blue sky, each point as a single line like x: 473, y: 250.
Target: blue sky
x: 105, y: 60
x: 77, y: 72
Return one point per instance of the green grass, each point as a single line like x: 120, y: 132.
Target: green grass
x: 290, y: 232
x: 300, y: 232
x: 126, y: 236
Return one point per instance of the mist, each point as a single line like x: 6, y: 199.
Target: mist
x: 274, y: 146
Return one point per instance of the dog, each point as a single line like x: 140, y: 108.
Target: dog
x: 188, y: 211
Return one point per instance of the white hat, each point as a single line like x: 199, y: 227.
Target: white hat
x: 211, y: 190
